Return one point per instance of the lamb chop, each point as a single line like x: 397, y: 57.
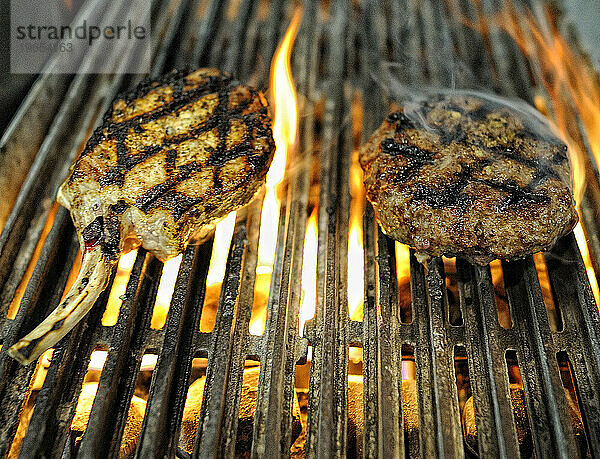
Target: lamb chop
x: 469, y: 174
x: 171, y: 158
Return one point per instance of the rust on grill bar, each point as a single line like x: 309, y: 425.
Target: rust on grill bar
x: 391, y: 358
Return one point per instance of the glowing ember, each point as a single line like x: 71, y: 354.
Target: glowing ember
x: 356, y: 260
x: 309, y: 273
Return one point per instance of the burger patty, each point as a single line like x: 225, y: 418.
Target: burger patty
x: 471, y: 175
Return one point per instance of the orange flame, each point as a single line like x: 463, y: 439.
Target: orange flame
x: 284, y: 132
x: 216, y: 270
x: 309, y: 272
x: 220, y: 250
x: 166, y: 286
x: 356, y: 258
x: 402, y: 261
x: 113, y: 305
x: 285, y: 126
x: 285, y: 123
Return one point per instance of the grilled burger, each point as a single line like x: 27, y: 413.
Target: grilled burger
x: 170, y: 159
x: 470, y: 175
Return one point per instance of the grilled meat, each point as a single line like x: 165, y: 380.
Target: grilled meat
x: 471, y: 175
x: 170, y: 159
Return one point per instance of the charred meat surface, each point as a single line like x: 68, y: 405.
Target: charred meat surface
x: 170, y: 159
x: 471, y: 175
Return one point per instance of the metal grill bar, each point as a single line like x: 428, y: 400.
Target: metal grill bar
x: 491, y: 393
x: 342, y: 50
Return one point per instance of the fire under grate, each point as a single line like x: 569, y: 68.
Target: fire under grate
x: 460, y: 333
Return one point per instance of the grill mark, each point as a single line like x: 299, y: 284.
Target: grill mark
x: 214, y: 84
x: 449, y: 196
x: 28, y: 350
x: 257, y: 123
x: 170, y: 160
x: 457, y: 135
x: 126, y: 162
x: 148, y: 83
x: 115, y: 176
x: 223, y: 129
x: 540, y: 166
x: 151, y: 198
x: 119, y: 207
x: 417, y: 158
x: 145, y: 201
x: 178, y: 203
x: 93, y: 233
x: 118, y: 131
x: 517, y: 195
x: 409, y: 151
x: 105, y: 232
x: 453, y: 195
x: 407, y: 172
x: 218, y: 159
x: 479, y: 114
x: 560, y: 156
x: 400, y: 120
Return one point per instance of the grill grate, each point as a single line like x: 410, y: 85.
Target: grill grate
x: 341, y: 54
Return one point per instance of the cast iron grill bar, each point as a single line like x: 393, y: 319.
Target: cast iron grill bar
x: 45, y: 288
x: 557, y: 421
x: 551, y: 427
x: 104, y: 409
x: 218, y: 417
x: 222, y: 369
x: 555, y: 418
x: 27, y: 130
x: 486, y: 356
x: 117, y: 381
x: 434, y: 356
x: 272, y: 432
x: 169, y: 386
x: 102, y: 89
x: 382, y: 388
x: 57, y: 399
x: 326, y: 430
x: 580, y: 338
x: 79, y: 364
